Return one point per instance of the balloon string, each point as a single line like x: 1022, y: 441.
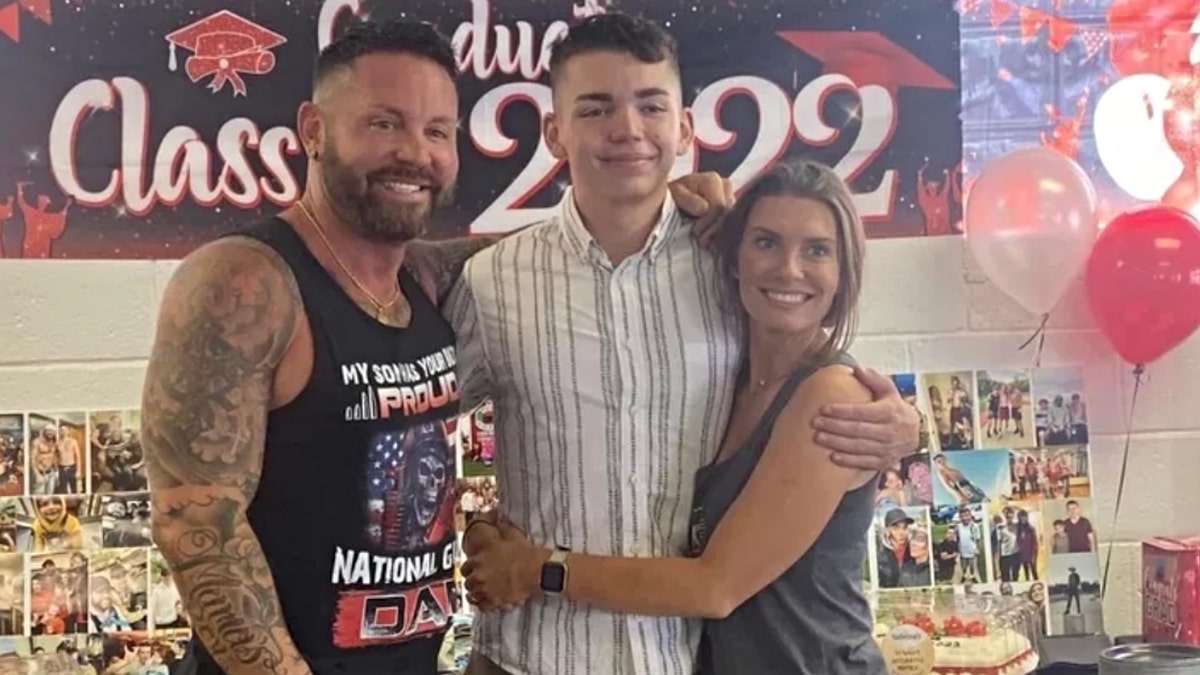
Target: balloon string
x: 1138, y: 379
x: 1040, y: 336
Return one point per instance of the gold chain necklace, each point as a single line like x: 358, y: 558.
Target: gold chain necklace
x: 380, y: 307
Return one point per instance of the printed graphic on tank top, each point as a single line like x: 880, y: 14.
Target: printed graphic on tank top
x: 409, y: 504
x: 355, y: 509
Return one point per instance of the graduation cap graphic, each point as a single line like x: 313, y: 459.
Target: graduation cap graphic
x: 867, y: 57
x: 10, y: 16
x: 225, y: 46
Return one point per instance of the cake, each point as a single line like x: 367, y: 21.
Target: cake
x: 971, y: 647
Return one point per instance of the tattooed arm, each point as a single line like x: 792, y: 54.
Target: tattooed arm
x: 438, y: 264
x: 227, y: 318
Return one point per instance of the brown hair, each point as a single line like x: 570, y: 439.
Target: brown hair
x: 799, y: 177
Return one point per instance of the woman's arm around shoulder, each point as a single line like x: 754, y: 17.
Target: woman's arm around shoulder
x: 796, y: 488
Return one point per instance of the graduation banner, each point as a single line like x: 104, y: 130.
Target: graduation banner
x: 143, y: 128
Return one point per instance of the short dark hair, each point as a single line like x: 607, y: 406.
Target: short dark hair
x: 385, y: 37
x: 618, y: 32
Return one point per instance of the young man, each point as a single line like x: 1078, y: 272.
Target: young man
x: 301, y: 389
x: 600, y: 336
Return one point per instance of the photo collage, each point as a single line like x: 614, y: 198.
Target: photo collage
x: 78, y: 570
x: 999, y: 499
x: 477, y: 490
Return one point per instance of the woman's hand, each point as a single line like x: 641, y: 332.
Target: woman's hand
x: 504, y: 571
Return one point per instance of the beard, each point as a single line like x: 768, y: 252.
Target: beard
x: 372, y: 217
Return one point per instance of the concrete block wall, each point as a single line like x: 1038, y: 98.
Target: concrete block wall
x: 926, y: 308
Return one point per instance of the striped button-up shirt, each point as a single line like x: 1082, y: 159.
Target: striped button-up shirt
x: 612, y: 386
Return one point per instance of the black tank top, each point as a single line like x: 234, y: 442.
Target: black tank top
x: 355, y: 509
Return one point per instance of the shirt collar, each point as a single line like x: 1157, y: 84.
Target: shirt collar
x: 670, y: 221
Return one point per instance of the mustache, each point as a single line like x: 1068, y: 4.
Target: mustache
x: 404, y: 173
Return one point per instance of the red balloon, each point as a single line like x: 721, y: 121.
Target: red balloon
x: 1143, y: 281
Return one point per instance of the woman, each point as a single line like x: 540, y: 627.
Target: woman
x: 1027, y: 542
x: 792, y: 253
x: 892, y: 492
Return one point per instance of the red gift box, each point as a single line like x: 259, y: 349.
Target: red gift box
x: 1170, y: 596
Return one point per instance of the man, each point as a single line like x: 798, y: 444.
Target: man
x: 893, y: 552
x: 968, y: 534
x: 1081, y: 536
x: 601, y: 340
x: 301, y: 389
x: 1073, y: 587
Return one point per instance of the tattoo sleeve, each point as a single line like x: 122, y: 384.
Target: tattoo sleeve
x: 227, y: 318
x: 438, y: 264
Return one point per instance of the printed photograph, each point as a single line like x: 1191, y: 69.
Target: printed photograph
x: 58, y: 593
x: 12, y: 594
x: 1067, y: 472
x: 1005, y: 409
x: 1061, y: 408
x: 906, y: 384
x: 476, y: 495
x: 909, y: 483
x: 950, y: 398
x: 1018, y: 553
x: 125, y: 520
x: 970, y: 477
x: 410, y: 488
x: 903, y: 548
x: 57, y: 523
x: 166, y: 605
x: 1024, y: 520
x: 1027, y: 474
x: 119, y: 591
x: 12, y: 455
x: 1069, y: 526
x: 118, y: 464
x: 56, y: 443
x: 58, y: 646
x: 135, y: 652
x: 959, y: 545
x: 478, y: 442
x: 12, y: 538
x: 1075, y: 606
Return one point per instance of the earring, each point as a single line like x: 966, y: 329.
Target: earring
x: 315, y: 155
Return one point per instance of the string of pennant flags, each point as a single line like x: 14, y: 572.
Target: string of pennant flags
x: 1033, y: 20
x: 10, y: 16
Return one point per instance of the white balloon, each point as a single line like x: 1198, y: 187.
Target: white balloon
x: 1030, y: 222
x: 1131, y: 140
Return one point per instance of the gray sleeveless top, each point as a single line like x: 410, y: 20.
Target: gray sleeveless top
x: 813, y: 620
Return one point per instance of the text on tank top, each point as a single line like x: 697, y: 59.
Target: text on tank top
x: 355, y: 508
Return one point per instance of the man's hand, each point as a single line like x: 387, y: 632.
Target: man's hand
x: 872, y: 436
x: 504, y: 571
x: 706, y: 197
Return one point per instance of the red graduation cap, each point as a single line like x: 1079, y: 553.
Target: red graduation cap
x: 867, y: 57
x: 225, y: 46
x: 10, y: 22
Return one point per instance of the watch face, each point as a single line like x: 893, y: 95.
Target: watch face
x: 554, y: 577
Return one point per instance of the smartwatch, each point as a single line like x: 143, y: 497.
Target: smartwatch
x: 554, y: 573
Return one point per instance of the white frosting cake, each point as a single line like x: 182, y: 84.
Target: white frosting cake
x: 1001, y: 652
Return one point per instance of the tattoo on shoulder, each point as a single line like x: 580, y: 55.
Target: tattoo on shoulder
x: 438, y: 264
x: 228, y: 317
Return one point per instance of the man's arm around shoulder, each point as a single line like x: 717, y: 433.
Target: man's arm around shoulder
x: 228, y: 316
x: 437, y: 265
